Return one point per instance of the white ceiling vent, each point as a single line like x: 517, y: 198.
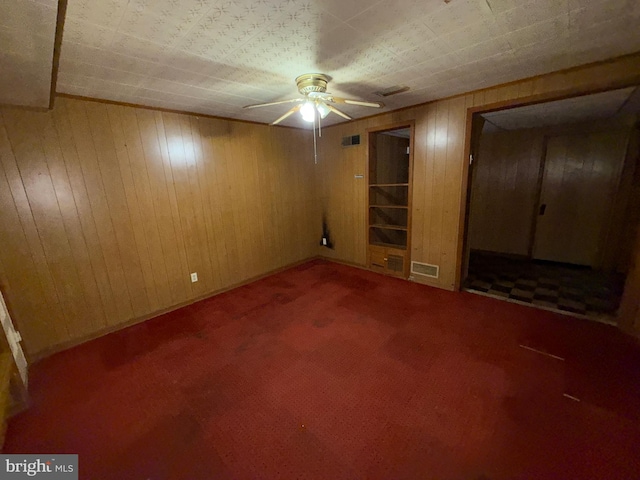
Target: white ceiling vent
x: 425, y: 269
x: 396, y: 89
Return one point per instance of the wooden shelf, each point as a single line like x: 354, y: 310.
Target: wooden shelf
x: 388, y: 227
x: 388, y: 198
x: 389, y: 245
x: 389, y: 206
x: 388, y: 184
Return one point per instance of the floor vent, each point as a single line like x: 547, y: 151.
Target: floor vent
x: 351, y: 140
x: 425, y: 269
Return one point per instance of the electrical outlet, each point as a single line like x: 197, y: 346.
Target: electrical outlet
x: 324, y: 240
x: 194, y: 277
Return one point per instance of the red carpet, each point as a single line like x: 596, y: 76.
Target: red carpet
x: 328, y: 372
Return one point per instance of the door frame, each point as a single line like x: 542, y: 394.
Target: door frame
x: 536, y: 206
x: 630, y: 324
x: 370, y: 147
x: 465, y: 190
x: 13, y: 340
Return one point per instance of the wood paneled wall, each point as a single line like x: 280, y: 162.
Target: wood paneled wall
x: 625, y: 222
x: 504, y: 191
x: 440, y: 164
x: 106, y: 209
x: 629, y: 311
x: 506, y: 177
x: 437, y: 170
x: 390, y: 164
x: 580, y: 182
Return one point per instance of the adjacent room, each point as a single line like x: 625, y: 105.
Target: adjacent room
x: 554, y: 202
x: 273, y: 239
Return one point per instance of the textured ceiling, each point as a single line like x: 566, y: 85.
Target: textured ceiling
x: 215, y: 56
x: 401, y: 132
x: 27, y: 35
x: 570, y: 110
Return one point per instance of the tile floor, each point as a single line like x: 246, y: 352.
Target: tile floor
x: 576, y: 290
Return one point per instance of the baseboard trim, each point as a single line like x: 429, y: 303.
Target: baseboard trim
x: 344, y: 262
x: 510, y: 256
x: 36, y: 357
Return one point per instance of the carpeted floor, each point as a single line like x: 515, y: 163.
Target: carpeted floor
x: 329, y: 372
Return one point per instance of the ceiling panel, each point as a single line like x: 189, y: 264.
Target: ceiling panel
x: 523, y: 14
x: 27, y: 37
x: 219, y: 55
x: 571, y: 110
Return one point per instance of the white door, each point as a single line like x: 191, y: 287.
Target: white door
x: 13, y: 338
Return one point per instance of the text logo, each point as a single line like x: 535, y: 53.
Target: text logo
x: 44, y: 467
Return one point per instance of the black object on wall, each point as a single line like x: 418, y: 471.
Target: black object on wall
x: 326, y: 241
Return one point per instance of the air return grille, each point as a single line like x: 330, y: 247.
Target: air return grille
x: 351, y: 140
x: 392, y: 90
x: 395, y: 263
x: 424, y: 269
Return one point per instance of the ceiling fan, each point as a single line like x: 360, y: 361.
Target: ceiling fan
x: 316, y: 101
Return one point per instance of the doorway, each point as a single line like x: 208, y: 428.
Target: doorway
x: 551, y: 203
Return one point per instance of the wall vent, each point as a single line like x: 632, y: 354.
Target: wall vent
x: 351, y: 140
x: 425, y: 269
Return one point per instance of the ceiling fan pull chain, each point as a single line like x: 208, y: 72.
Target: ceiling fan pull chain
x: 315, y: 146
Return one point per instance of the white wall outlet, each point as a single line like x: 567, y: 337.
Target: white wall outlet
x: 194, y: 277
x: 324, y: 240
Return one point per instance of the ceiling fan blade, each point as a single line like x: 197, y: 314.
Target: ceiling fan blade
x: 335, y: 110
x: 327, y: 97
x: 291, y: 100
x: 349, y: 101
x: 289, y: 113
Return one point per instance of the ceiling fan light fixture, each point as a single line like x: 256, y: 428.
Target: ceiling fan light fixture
x: 308, y: 111
x: 313, y: 88
x: 312, y: 82
x: 323, y: 109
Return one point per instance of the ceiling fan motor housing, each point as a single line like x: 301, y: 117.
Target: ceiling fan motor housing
x: 312, y: 82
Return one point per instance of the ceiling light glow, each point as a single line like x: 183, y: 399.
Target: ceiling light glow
x: 308, y: 111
